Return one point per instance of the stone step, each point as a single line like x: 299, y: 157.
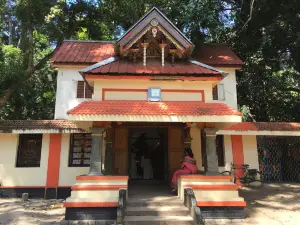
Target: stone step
x: 157, y: 211
x: 154, y: 203
x: 158, y: 220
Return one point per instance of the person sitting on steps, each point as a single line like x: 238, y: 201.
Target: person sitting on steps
x: 188, y: 166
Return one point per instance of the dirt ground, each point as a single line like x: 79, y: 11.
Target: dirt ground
x: 274, y: 204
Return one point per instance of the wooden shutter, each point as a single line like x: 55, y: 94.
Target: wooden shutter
x: 175, y: 149
x: 220, y: 150
x: 221, y: 92
x: 215, y: 92
x: 80, y: 89
x: 120, y: 151
x: 29, y: 150
x: 88, y: 92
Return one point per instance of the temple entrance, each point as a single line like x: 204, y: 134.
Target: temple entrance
x: 148, y: 154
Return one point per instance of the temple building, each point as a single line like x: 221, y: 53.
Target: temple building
x: 125, y: 110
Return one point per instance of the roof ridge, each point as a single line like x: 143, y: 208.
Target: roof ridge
x: 90, y: 41
x: 101, y: 63
x: 206, y: 66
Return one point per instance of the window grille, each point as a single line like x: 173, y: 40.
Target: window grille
x: 80, y: 150
x: 29, y: 150
x: 83, y: 91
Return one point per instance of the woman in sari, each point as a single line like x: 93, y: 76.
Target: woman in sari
x: 188, y: 166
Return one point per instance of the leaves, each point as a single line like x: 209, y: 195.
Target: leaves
x: 266, y: 35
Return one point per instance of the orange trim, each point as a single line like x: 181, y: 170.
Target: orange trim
x: 213, y: 187
x: 108, y: 77
x: 90, y: 204
x: 3, y: 187
x: 125, y: 77
x: 102, y: 178
x: 53, y: 161
x: 202, y: 78
x: 98, y: 187
x: 104, y: 90
x: 241, y: 203
x: 202, y: 177
x: 238, y: 154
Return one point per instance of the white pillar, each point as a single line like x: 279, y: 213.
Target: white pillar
x: 145, y: 55
x: 211, y: 151
x: 95, y: 163
x: 163, y: 56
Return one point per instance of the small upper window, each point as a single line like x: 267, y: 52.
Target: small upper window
x: 29, y: 150
x: 215, y: 92
x: 218, y: 92
x: 83, y: 91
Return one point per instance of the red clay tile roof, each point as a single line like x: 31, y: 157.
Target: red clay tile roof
x: 216, y: 55
x: 153, y: 67
x: 153, y: 108
x: 90, y: 52
x: 264, y: 126
x: 83, y: 52
x: 7, y: 126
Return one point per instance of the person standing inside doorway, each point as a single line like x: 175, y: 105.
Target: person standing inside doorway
x: 188, y: 166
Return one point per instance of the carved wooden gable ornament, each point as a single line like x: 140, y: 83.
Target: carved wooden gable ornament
x: 155, y: 24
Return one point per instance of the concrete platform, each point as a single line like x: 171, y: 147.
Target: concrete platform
x: 157, y: 211
x: 153, y: 220
x: 150, y: 203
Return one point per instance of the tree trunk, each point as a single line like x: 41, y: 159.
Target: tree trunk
x: 30, y: 39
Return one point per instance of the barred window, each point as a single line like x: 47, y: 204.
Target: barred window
x: 29, y: 150
x: 83, y: 91
x: 80, y: 150
x: 215, y: 92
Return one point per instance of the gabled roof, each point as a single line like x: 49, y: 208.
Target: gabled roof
x: 166, y: 26
x: 154, y: 111
x: 117, y: 66
x: 83, y: 52
x: 216, y: 55
x: 91, y: 52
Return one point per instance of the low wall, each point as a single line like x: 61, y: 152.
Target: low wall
x: 12, y: 176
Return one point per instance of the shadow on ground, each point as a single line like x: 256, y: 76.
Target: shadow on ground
x: 274, y: 202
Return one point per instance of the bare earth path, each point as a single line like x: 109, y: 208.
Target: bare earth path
x: 274, y: 204
x: 34, y: 212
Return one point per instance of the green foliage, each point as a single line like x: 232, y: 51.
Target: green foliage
x: 31, y: 98
x: 266, y: 36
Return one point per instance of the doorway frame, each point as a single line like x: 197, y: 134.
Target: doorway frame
x: 166, y: 148
x: 130, y: 125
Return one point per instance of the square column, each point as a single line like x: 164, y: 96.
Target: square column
x: 211, y: 151
x: 95, y: 163
x: 108, y: 156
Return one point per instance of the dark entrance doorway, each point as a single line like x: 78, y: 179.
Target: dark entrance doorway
x: 148, y: 153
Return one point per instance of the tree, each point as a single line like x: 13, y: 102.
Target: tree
x: 269, y: 44
x: 265, y: 34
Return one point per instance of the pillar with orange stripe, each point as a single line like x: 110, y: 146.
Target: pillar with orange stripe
x: 238, y: 154
x: 53, y: 166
